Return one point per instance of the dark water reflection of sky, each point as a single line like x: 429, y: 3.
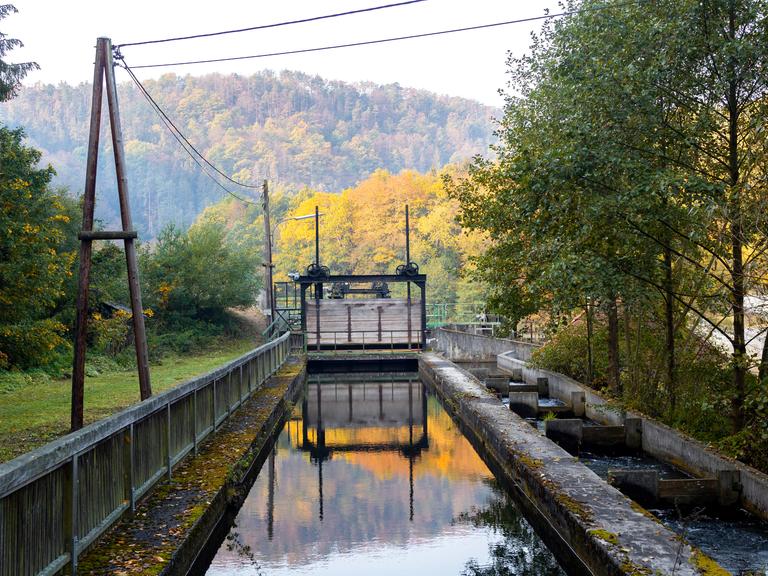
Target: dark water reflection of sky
x: 374, y: 478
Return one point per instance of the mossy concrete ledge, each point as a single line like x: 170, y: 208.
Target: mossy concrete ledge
x: 609, y: 534
x: 172, y: 525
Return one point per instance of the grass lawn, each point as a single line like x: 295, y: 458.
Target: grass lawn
x: 37, y: 413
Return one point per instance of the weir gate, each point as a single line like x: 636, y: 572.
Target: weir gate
x: 348, y: 312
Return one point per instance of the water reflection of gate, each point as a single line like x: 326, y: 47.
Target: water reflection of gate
x: 373, y: 414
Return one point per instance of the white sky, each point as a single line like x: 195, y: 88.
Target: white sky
x: 60, y: 36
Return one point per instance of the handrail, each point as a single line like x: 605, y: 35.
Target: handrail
x: 57, y: 452
x: 383, y: 339
x: 56, y: 498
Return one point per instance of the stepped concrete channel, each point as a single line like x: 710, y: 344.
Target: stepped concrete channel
x: 601, y: 527
x: 705, y: 476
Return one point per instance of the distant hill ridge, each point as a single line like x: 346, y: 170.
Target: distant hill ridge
x: 295, y: 129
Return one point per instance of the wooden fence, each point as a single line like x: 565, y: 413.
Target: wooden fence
x: 56, y: 500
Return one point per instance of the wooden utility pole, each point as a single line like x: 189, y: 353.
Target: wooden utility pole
x: 104, y: 70
x: 270, y: 303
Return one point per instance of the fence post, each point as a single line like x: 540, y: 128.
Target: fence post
x: 228, y: 378
x: 214, y: 405
x: 194, y: 421
x: 70, y: 513
x: 129, y: 466
x: 168, y: 438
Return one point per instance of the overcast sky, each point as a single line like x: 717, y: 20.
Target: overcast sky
x: 60, y: 36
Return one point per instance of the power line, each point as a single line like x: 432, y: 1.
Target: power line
x: 176, y: 130
x: 184, y: 142
x: 275, y: 25
x: 385, y: 40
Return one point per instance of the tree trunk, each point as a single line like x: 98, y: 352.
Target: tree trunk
x: 590, y: 361
x: 614, y: 374
x: 669, y: 322
x: 763, y: 371
x: 736, y: 233
x: 629, y: 364
x: 739, y: 340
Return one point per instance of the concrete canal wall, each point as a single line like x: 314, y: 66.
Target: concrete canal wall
x: 658, y: 440
x: 462, y: 346
x: 604, y: 529
x: 561, y: 387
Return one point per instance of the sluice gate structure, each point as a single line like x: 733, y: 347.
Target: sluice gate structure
x: 355, y: 312
x: 363, y: 324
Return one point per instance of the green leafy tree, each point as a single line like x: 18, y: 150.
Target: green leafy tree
x: 32, y: 264
x: 633, y: 158
x: 199, y: 274
x: 689, y: 106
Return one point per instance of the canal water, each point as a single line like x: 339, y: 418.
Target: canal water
x: 371, y: 476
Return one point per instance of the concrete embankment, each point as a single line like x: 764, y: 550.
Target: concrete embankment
x: 462, y: 346
x: 606, y: 531
x: 172, y: 525
x: 658, y: 440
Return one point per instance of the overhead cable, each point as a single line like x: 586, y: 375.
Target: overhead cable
x: 275, y: 25
x: 168, y: 120
x: 185, y: 143
x: 385, y: 40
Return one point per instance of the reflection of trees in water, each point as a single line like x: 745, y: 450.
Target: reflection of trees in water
x: 235, y: 544
x: 520, y: 552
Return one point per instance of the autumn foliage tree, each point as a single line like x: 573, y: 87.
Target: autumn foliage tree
x: 362, y: 230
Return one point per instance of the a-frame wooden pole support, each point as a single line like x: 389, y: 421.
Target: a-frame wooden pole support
x: 104, y: 73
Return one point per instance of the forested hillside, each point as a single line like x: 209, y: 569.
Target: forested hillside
x: 294, y: 129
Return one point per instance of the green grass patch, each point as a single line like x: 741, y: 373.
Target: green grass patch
x: 35, y: 407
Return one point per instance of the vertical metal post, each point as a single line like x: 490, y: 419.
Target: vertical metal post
x: 140, y: 335
x: 304, y: 309
x: 423, y: 287
x: 89, y: 201
x: 407, y: 263
x: 407, y: 237
x: 318, y: 291
x: 268, y: 254
x: 317, y: 236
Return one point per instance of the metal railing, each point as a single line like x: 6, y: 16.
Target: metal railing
x: 395, y: 340
x: 442, y: 313
x: 56, y: 500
